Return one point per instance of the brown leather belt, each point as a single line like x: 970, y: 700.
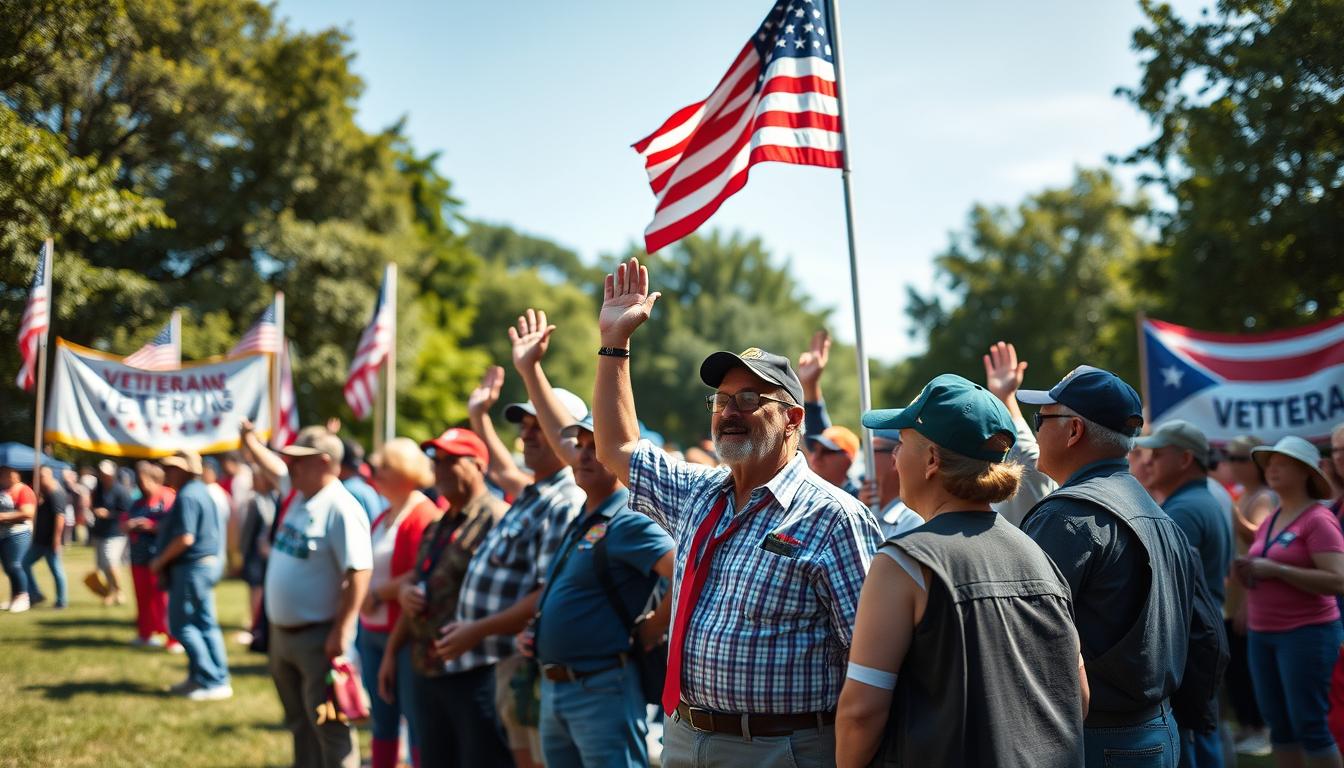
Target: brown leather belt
x: 559, y: 673
x: 1099, y: 719
x: 747, y: 726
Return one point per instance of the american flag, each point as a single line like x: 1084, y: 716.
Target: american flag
x: 777, y: 102
x: 287, y: 430
x: 263, y: 336
x: 163, y: 353
x: 374, y: 344
x: 36, y: 320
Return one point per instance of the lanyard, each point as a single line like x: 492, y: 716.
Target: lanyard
x: 444, y: 535
x: 1270, y: 536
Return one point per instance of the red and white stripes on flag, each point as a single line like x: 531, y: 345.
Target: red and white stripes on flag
x: 36, y: 320
x: 778, y: 102
x: 288, y: 427
x: 263, y: 336
x: 162, y: 353
x: 374, y: 344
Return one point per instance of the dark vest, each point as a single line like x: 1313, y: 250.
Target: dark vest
x: 991, y: 676
x: 1147, y: 664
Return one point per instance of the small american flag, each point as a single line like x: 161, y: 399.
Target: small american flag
x: 287, y: 430
x: 36, y: 320
x: 374, y: 344
x: 163, y: 353
x: 263, y: 336
x: 777, y: 102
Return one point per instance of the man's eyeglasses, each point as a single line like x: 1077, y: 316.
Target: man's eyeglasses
x: 1240, y: 458
x: 1041, y: 417
x: 745, y: 401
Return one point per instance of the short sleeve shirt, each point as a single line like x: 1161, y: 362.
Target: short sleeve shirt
x: 117, y: 501
x: 154, y: 508
x: 53, y: 505
x: 577, y: 624
x: 1201, y: 518
x: 11, y: 500
x: 193, y: 512
x: 1275, y: 605
x: 320, y: 539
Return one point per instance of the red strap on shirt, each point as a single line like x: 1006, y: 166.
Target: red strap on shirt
x: 692, y: 582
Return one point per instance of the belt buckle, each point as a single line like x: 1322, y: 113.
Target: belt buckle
x: 693, y: 713
x: 565, y: 673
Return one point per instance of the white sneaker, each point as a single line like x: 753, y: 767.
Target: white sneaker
x: 1255, y: 745
x: 175, y: 648
x: 19, y: 604
x: 215, y: 693
x: 156, y: 640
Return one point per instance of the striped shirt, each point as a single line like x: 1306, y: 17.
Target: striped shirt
x: 513, y: 560
x: 771, y: 631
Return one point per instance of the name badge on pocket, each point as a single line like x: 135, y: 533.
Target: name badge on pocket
x: 781, y: 544
x: 1286, y: 538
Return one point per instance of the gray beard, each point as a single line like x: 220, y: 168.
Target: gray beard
x: 747, y: 450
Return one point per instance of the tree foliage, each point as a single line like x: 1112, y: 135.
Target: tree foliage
x: 1248, y: 102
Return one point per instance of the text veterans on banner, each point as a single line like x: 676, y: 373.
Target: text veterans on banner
x: 98, y: 403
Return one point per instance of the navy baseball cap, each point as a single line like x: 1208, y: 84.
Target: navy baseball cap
x: 954, y: 413
x: 773, y: 368
x: 1095, y: 394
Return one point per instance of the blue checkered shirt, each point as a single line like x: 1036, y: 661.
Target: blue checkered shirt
x: 513, y: 560
x: 770, y: 633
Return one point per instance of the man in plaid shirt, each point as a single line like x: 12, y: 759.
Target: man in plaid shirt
x: 499, y: 596
x: 770, y: 557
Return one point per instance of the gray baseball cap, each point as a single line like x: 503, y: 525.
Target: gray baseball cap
x: 1178, y: 434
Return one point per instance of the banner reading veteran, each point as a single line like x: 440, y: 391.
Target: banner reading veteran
x: 1269, y: 385
x: 100, y: 404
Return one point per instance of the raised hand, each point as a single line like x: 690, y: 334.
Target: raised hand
x: 530, y: 339
x: 626, y: 303
x: 486, y: 394
x: 1003, y: 372
x: 812, y: 363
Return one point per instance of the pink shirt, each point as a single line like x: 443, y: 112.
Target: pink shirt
x: 1276, y: 605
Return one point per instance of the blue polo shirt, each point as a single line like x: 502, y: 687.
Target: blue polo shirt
x: 577, y: 625
x: 1201, y: 519
x: 193, y: 512
x: 367, y: 497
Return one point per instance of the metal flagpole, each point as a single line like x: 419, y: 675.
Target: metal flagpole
x: 390, y: 362
x: 865, y: 396
x: 1140, y: 320
x: 39, y: 412
x: 176, y: 333
x: 275, y: 364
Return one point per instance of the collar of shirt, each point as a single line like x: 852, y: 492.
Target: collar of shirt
x: 612, y: 504
x: 1103, y: 468
x: 541, y: 484
x: 783, y: 486
x: 892, y: 512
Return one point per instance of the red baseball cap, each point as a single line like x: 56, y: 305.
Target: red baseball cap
x: 459, y: 442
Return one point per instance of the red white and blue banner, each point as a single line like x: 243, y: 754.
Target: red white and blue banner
x: 1269, y: 385
x: 99, y: 403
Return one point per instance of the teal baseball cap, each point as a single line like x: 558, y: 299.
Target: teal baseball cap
x: 954, y: 413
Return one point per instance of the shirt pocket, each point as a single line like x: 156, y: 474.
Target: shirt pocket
x: 513, y: 547
x: 777, y: 589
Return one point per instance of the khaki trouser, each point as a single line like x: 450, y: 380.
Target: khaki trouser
x: 299, y: 667
x: 685, y: 747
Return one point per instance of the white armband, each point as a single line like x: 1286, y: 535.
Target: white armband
x: 869, y: 676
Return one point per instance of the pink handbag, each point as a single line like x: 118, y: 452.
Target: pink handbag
x: 346, y: 693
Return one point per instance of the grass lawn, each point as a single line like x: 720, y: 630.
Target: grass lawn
x: 73, y: 692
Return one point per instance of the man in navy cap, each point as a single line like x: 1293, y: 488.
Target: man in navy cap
x: 1139, y: 597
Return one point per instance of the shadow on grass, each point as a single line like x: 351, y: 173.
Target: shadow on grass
x: 83, y: 621
x: 66, y: 691
x: 65, y: 642
x: 257, y: 669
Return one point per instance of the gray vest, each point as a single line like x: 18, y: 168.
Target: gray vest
x: 1147, y: 664
x: 991, y: 676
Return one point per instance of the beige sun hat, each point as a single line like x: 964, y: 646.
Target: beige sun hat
x: 1296, y: 448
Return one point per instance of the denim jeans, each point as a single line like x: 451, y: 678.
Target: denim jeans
x: 462, y: 727
x: 13, y: 546
x: 596, y: 720
x: 1201, y: 750
x: 38, y: 552
x: 1154, y: 744
x: 191, y: 617
x: 1291, y: 671
x: 387, y: 715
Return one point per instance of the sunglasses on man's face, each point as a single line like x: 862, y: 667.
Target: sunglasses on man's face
x: 1240, y: 458
x: 1041, y: 417
x: 745, y: 401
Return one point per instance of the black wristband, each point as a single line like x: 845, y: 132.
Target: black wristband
x: 613, y: 351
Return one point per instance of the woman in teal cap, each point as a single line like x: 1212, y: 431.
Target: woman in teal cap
x: 964, y: 650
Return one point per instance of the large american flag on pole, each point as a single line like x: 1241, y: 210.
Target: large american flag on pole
x: 1268, y: 385
x: 777, y: 102
x: 36, y: 320
x: 162, y: 353
x: 362, y: 384
x: 263, y: 336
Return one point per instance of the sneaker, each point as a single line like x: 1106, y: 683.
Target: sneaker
x: 1256, y: 744
x: 37, y: 600
x: 19, y: 604
x: 175, y: 648
x: 156, y: 640
x: 213, y: 693
x: 183, y: 688
x: 58, y: 606
x: 242, y: 638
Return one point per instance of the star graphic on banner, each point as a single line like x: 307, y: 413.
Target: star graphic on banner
x: 799, y: 13
x: 214, y: 423
x: 808, y: 27
x: 167, y: 429
x: 130, y: 425
x: 788, y: 29
x: 816, y: 14
x: 779, y: 42
x: 112, y: 422
x: 1171, y: 376
x: 200, y: 426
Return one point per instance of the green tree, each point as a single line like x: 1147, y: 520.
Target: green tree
x: 1248, y: 102
x: 1053, y: 276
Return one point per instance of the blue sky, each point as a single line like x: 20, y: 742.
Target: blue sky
x: 533, y: 106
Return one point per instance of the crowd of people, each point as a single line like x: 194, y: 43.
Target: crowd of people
x: 1070, y: 590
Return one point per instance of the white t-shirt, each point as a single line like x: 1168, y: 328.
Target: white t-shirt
x: 224, y: 509
x: 319, y: 540
x: 896, y: 518
x: 384, y: 538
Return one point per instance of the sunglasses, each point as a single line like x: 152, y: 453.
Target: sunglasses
x: 1240, y: 458
x: 745, y: 402
x: 1040, y: 418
